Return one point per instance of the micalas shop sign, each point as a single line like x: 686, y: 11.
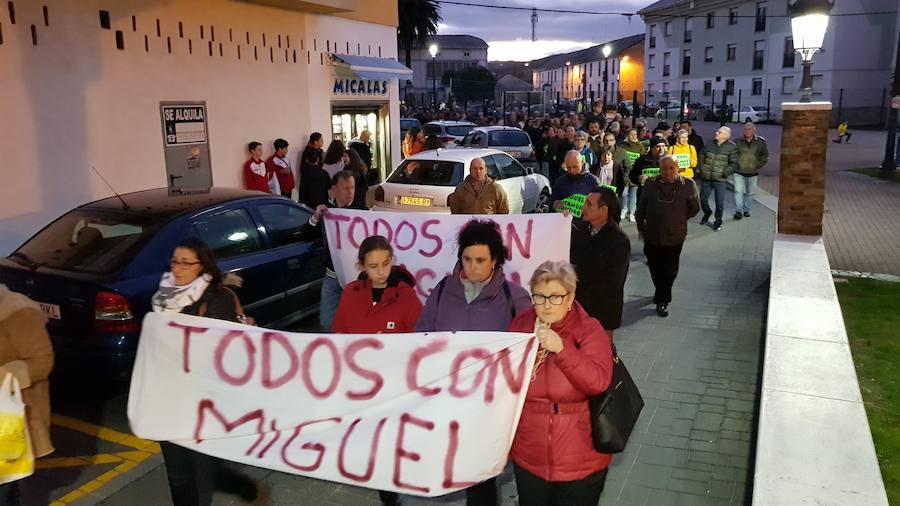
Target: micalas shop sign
x: 350, y: 87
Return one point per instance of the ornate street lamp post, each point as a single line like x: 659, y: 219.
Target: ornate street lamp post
x: 809, y: 20
x: 607, y: 50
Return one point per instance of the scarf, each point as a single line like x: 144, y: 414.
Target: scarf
x: 605, y: 174
x: 171, y: 298
x: 472, y: 289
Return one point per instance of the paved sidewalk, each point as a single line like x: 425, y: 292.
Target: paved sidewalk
x: 698, y: 371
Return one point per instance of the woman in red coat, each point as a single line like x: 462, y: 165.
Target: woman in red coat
x: 553, y: 453
x: 383, y: 299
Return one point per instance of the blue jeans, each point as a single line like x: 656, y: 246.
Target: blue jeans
x: 628, y: 199
x: 328, y: 301
x: 707, y: 187
x: 744, y: 191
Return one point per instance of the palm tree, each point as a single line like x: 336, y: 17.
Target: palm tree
x: 418, y: 21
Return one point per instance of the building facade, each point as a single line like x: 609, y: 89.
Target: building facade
x: 744, y: 49
x: 455, y: 52
x: 579, y: 74
x: 84, y: 84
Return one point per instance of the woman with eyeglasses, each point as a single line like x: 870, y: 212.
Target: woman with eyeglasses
x: 194, y: 285
x: 553, y: 453
x: 476, y: 296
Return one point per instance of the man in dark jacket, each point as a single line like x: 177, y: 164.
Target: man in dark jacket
x: 344, y: 190
x: 694, y: 139
x: 576, y: 181
x: 717, y: 162
x: 666, y: 205
x: 638, y: 174
x: 753, y: 154
x: 314, y: 181
x: 363, y: 147
x: 600, y: 252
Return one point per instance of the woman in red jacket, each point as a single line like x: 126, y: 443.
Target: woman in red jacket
x: 553, y: 453
x: 382, y: 299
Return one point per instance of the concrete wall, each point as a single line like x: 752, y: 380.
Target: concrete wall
x: 73, y: 100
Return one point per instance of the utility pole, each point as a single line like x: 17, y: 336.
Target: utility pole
x: 534, y: 20
x: 888, y: 165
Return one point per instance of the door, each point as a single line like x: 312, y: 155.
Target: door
x: 303, y: 262
x: 347, y: 123
x: 512, y: 179
x: 186, y: 146
x: 234, y: 239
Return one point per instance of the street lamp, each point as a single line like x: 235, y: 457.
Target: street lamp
x: 607, y: 50
x: 433, y: 50
x: 809, y: 20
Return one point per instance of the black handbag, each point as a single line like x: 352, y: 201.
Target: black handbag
x: 614, y: 412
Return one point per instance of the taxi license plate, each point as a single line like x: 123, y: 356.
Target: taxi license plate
x: 416, y: 201
x: 51, y: 310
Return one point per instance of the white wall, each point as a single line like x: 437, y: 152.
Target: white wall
x: 75, y: 100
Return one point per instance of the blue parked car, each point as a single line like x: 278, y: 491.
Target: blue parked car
x: 95, y: 268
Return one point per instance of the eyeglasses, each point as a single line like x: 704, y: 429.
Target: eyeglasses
x: 555, y: 300
x: 179, y: 263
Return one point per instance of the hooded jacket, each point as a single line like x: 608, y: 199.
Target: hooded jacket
x: 397, y: 312
x: 446, y: 308
x: 553, y: 440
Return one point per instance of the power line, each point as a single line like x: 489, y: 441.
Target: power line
x: 629, y: 14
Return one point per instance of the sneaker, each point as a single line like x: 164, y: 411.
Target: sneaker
x: 746, y: 214
x: 623, y: 215
x: 705, y: 219
x: 738, y: 215
x: 631, y: 217
x: 717, y: 227
x: 662, y: 310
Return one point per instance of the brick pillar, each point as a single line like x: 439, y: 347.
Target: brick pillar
x: 804, y: 143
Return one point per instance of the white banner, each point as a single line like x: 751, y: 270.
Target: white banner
x: 423, y: 414
x: 426, y: 243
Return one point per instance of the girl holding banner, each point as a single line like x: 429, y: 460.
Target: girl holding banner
x: 195, y: 285
x: 476, y: 296
x: 553, y: 453
x: 685, y: 154
x: 382, y: 300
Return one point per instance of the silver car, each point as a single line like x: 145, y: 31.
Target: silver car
x: 423, y: 182
x: 448, y: 132
x: 511, y: 140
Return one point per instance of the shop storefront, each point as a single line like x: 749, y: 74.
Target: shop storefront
x: 360, y: 101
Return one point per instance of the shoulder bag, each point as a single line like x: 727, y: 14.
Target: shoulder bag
x: 614, y: 412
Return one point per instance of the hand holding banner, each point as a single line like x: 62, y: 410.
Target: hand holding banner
x: 423, y: 414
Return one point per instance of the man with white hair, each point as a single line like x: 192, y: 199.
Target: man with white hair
x: 753, y: 154
x: 718, y: 161
x: 478, y: 193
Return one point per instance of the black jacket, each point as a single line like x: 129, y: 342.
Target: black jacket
x: 310, y: 232
x: 364, y: 151
x: 601, y: 263
x: 217, y: 301
x: 664, y: 209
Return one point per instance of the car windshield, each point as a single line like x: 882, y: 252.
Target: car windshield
x: 459, y: 130
x: 508, y: 138
x: 91, y: 241
x: 428, y: 172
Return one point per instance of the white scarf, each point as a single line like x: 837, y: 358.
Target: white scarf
x: 172, y: 298
x: 605, y: 174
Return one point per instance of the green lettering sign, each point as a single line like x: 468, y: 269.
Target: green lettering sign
x: 633, y: 156
x: 651, y: 172
x: 684, y: 161
x: 574, y: 204
x: 609, y: 187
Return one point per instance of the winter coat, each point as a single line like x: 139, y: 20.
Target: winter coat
x: 718, y: 162
x: 694, y: 139
x: 26, y: 353
x: 493, y: 309
x: 478, y: 198
x: 689, y: 150
x: 633, y: 147
x: 664, y: 209
x: 364, y: 151
x: 553, y: 440
x: 601, y: 263
x: 567, y: 185
x: 752, y: 155
x: 397, y: 312
x: 590, y: 160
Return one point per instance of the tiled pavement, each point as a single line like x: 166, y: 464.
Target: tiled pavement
x: 698, y: 371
